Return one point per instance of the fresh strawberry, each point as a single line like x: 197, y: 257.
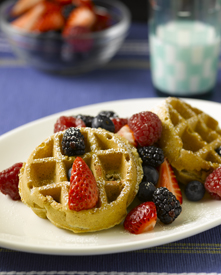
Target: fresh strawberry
x: 168, y: 179
x: 49, y: 21
x: 146, y: 126
x: 126, y: 132
x: 103, y: 20
x: 119, y: 122
x: 81, y: 17
x: 65, y: 122
x: 28, y: 19
x: 9, y: 180
x: 141, y: 219
x: 43, y: 17
x: 213, y: 184
x: 83, y: 193
x: 21, y: 6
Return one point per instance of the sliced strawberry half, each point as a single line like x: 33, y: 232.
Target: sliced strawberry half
x: 83, y: 193
x: 28, y: 19
x: 82, y: 16
x: 21, y: 6
x: 43, y: 17
x: 168, y: 179
x: 141, y: 219
x: 51, y: 20
x: 127, y: 133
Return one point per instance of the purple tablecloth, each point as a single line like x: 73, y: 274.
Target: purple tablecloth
x: 27, y: 94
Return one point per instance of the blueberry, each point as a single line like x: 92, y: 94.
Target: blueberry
x: 194, y: 191
x: 150, y: 174
x: 146, y: 190
x: 69, y: 173
x: 218, y: 151
x: 103, y: 122
x: 86, y: 118
x: 108, y: 113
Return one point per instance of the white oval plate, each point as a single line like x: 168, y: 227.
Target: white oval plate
x: 22, y: 230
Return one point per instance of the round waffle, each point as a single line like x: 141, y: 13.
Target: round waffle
x: 44, y: 185
x: 189, y: 139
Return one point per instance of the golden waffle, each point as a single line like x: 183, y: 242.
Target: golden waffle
x: 117, y: 168
x: 189, y: 139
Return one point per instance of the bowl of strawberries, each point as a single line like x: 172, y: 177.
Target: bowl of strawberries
x: 65, y: 36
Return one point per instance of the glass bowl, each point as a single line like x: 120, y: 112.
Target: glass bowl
x: 53, y: 53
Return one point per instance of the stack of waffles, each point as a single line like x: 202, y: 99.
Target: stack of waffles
x: 189, y: 139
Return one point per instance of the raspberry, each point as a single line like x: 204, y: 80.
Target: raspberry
x: 168, y: 207
x: 73, y: 142
x: 119, y: 123
x: 147, y: 127
x: 9, y: 181
x: 65, y: 122
x: 151, y: 155
x: 213, y: 183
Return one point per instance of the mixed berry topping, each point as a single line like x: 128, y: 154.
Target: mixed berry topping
x: 73, y: 142
x: 63, y: 16
x: 168, y: 207
x: 9, y: 179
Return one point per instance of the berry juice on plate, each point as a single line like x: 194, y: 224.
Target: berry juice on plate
x: 184, y: 57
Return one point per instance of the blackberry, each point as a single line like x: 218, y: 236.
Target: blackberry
x: 108, y: 114
x: 151, y: 155
x: 104, y: 122
x: 87, y: 119
x: 146, y: 190
x: 194, y: 190
x: 168, y: 207
x: 73, y: 142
